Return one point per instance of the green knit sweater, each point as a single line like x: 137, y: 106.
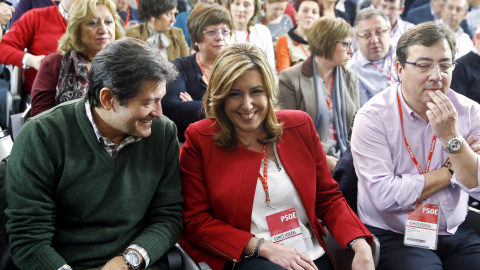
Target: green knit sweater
x: 70, y: 202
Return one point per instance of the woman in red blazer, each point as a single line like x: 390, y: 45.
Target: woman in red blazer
x: 256, y: 184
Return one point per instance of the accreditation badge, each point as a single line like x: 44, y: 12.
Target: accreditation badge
x: 421, y: 227
x: 284, y: 227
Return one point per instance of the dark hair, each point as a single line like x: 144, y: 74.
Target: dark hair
x: 154, y: 8
x: 122, y: 66
x: 203, y: 15
x: 299, y: 3
x: 426, y: 34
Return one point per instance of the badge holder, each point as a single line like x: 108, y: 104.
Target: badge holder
x: 421, y: 226
x: 284, y: 227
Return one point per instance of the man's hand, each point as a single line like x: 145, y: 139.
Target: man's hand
x: 117, y: 263
x: 475, y: 147
x: 5, y: 13
x: 442, y: 117
x: 34, y: 61
x: 332, y: 162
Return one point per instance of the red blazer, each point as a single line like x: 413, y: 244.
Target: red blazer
x: 219, y: 187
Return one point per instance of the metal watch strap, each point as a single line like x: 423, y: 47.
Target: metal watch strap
x: 350, y: 245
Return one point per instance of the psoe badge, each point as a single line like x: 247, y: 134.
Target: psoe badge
x: 421, y: 227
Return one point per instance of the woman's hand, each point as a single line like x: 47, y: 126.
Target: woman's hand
x: 363, y: 259
x: 184, y: 96
x: 286, y: 257
x: 34, y: 61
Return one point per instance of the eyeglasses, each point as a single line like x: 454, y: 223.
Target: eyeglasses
x: 368, y: 35
x: 347, y: 45
x: 426, y: 66
x: 214, y: 33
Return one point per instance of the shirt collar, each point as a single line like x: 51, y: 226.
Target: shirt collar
x: 476, y: 51
x: 62, y: 11
x: 364, y: 61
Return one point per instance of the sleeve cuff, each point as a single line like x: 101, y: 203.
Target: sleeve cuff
x: 142, y: 252
x: 24, y: 60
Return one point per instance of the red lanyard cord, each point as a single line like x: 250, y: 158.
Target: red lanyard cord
x: 384, y: 72
x: 263, y: 178
x: 201, y: 67
x: 329, y: 100
x: 432, y: 147
x: 125, y: 23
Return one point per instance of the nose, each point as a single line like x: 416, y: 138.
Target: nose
x: 102, y: 27
x: 157, y: 110
x: 435, y: 74
x: 350, y: 50
x: 247, y: 103
x: 375, y: 38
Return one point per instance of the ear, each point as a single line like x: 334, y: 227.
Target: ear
x: 106, y: 98
x: 402, y: 9
x: 399, y: 68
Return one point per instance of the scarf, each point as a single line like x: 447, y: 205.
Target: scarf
x: 339, y: 111
x: 158, y: 40
x: 73, y: 78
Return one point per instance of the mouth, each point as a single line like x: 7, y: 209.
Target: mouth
x: 147, y: 122
x: 249, y: 116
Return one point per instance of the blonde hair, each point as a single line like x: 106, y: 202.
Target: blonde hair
x: 79, y: 12
x: 234, y: 61
x: 324, y: 35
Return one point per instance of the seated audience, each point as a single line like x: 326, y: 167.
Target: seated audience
x: 94, y: 182
x: 328, y: 10
x: 5, y: 16
x: 466, y: 76
x: 429, y: 12
x: 292, y: 48
x: 38, y: 31
x: 245, y: 15
x: 452, y: 15
x: 63, y: 76
x: 181, y: 21
x: 323, y: 87
x: 393, y: 9
x: 473, y: 20
x: 26, y: 5
x: 410, y: 156
x: 249, y: 163
x: 374, y: 61
x: 275, y: 18
x: 128, y: 14
x: 158, y: 30
x: 210, y: 27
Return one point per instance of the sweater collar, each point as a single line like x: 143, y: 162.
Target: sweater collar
x: 296, y: 37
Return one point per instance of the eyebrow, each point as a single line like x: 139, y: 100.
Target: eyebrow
x: 431, y: 60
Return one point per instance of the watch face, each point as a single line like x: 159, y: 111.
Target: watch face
x: 132, y: 258
x: 455, y: 145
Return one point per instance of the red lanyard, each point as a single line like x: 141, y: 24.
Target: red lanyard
x: 393, y: 26
x: 201, y: 67
x: 248, y: 35
x: 388, y: 74
x: 263, y: 178
x: 432, y: 147
x: 125, y: 23
x: 303, y: 49
x: 329, y: 100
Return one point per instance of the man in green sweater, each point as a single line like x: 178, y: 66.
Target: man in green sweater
x: 94, y: 183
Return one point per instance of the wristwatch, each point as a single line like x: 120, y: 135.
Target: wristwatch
x: 454, y: 144
x: 132, y: 259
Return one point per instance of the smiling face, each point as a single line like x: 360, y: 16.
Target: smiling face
x: 98, y: 32
x: 212, y: 46
x: 242, y: 11
x: 246, y: 104
x: 373, y: 48
x: 415, y: 83
x: 136, y: 117
x: 308, y: 12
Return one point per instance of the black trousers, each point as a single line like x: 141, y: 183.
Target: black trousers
x: 460, y: 251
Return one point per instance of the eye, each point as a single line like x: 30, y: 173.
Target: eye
x: 257, y: 91
x: 109, y: 21
x: 247, y: 5
x: 233, y: 94
x: 445, y: 66
x: 93, y: 23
